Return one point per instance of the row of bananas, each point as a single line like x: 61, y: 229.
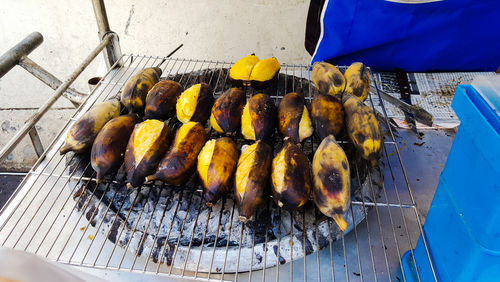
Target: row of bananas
x: 150, y: 152
x: 340, y: 100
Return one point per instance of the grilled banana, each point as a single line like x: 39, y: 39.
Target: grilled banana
x: 327, y: 115
x: 264, y: 73
x: 82, y: 134
x: 293, y: 118
x: 161, y: 100
x: 226, y: 112
x: 291, y: 177
x: 328, y: 79
x: 147, y: 145
x: 133, y: 95
x: 239, y: 74
x: 109, y: 146
x: 331, y: 181
x: 195, y: 104
x: 251, y: 178
x: 252, y: 71
x: 216, y: 165
x: 363, y: 128
x: 259, y: 118
x: 357, y: 78
x: 180, y: 162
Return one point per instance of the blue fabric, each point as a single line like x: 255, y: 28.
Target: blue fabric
x: 441, y: 36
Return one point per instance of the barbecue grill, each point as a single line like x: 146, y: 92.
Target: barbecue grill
x: 59, y: 213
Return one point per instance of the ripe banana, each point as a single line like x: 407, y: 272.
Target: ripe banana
x: 363, y: 128
x: 239, y: 74
x: 258, y: 120
x: 216, y: 165
x: 264, y: 73
x: 357, y: 78
x: 226, y: 112
x: 251, y: 178
x: 327, y: 115
x: 109, y: 146
x: 252, y: 71
x: 82, y: 134
x: 331, y: 178
x: 161, y: 100
x: 195, y: 104
x: 291, y: 177
x: 133, y: 95
x: 180, y: 162
x: 328, y: 79
x: 293, y: 118
x: 147, y: 145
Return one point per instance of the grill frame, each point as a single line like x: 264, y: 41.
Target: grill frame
x: 408, y: 213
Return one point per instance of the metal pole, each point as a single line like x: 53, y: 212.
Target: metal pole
x: 9, y: 59
x: 60, y: 90
x: 53, y: 82
x: 113, y: 51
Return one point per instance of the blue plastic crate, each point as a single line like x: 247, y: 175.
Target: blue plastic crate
x: 462, y: 228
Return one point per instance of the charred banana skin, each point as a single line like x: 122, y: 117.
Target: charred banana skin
x: 135, y: 90
x: 328, y: 79
x: 227, y: 110
x: 136, y: 174
x: 290, y: 112
x: 180, y: 162
x: 357, y: 78
x: 204, y: 104
x: 82, y: 134
x: 263, y: 114
x: 295, y: 177
x: 161, y: 100
x: 110, y: 144
x: 221, y: 170
x: 363, y: 128
x: 255, y: 188
x: 331, y: 179
x: 327, y: 115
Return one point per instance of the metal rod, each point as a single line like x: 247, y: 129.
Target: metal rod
x: 35, y: 140
x: 60, y: 90
x: 113, y: 51
x: 50, y: 80
x: 10, y: 58
x: 101, y: 17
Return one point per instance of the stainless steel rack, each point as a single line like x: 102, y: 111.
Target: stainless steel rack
x: 42, y: 218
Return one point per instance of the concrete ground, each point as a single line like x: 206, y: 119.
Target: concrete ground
x: 218, y: 30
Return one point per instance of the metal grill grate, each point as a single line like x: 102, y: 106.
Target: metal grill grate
x: 42, y: 217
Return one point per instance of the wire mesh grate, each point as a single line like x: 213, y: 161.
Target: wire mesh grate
x: 53, y: 211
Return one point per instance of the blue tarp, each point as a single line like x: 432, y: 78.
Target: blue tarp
x: 448, y: 35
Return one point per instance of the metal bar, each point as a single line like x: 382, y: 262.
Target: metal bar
x: 113, y: 51
x: 35, y: 140
x: 60, y: 90
x: 50, y: 80
x: 10, y: 58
